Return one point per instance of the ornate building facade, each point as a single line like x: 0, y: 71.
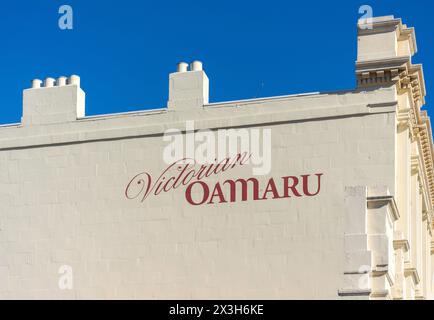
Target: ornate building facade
x: 91, y: 208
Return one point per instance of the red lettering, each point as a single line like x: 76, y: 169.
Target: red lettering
x: 143, y: 183
x: 189, y: 176
x: 292, y: 187
x: 306, y: 185
x: 217, y: 193
x: 205, y: 196
x: 271, y: 187
x: 244, y: 189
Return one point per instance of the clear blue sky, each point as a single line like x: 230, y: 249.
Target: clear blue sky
x: 125, y: 50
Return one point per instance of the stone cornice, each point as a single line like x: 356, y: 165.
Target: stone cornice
x: 401, y: 244
x: 397, y: 70
x: 378, y: 65
x: 389, y: 200
x: 423, y: 131
x: 411, y: 272
x: 414, y: 164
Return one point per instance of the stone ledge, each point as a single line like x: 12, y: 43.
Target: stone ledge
x: 85, y: 130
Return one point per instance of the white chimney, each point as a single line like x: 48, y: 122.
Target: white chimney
x: 188, y: 90
x: 54, y: 102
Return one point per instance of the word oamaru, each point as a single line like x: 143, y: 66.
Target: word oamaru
x: 249, y: 189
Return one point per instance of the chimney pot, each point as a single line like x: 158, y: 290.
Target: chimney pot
x: 36, y: 83
x: 196, y: 66
x: 49, y: 82
x: 61, y: 81
x: 74, y: 80
x: 182, y: 67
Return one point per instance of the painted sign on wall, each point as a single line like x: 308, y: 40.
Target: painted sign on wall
x: 186, y: 173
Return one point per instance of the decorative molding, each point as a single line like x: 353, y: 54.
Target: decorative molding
x: 426, y: 145
x: 381, y: 72
x: 401, y: 244
x: 408, y: 79
x: 382, y: 200
x: 393, y: 71
x: 403, y: 118
x: 415, y: 164
x: 381, y: 294
x: 418, y: 294
x: 411, y: 272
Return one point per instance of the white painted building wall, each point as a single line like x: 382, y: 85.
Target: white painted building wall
x: 62, y: 193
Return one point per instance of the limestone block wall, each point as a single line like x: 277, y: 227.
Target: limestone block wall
x: 62, y: 190
x: 345, y: 211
